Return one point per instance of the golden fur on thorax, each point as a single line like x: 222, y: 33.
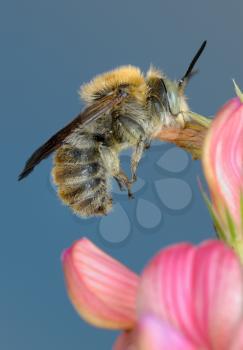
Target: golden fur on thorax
x: 109, y: 81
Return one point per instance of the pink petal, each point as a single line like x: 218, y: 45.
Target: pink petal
x: 102, y: 290
x: 237, y: 342
x: 223, y: 160
x: 219, y: 291
x: 153, y: 334
x: 198, y: 290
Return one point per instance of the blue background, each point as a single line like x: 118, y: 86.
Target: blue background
x: 48, y: 48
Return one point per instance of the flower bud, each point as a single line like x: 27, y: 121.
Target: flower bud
x: 223, y: 168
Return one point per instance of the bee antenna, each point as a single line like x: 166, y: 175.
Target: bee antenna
x: 189, y: 73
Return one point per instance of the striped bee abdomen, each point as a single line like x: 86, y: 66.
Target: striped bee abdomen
x: 82, y: 180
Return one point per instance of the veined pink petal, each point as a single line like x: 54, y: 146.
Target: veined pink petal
x: 219, y: 292
x: 198, y: 290
x: 223, y: 160
x: 167, y: 288
x: 102, y: 290
x: 153, y: 334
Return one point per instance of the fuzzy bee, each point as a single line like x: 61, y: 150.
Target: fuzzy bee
x: 124, y: 108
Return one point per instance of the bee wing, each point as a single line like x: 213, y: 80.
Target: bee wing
x: 91, y: 113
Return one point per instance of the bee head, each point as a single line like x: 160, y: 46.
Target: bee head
x: 170, y: 94
x: 165, y: 93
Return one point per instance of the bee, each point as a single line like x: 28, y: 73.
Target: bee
x: 123, y: 109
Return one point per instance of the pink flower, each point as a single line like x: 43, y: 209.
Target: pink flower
x: 97, y: 284
x: 188, y: 297
x: 223, y: 168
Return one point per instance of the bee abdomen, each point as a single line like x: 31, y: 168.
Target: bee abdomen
x: 71, y: 174
x: 82, y: 180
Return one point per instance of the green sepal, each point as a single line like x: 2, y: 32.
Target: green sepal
x: 217, y: 225
x: 231, y: 224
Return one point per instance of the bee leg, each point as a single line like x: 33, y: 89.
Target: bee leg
x: 124, y: 183
x: 121, y: 185
x: 147, y: 144
x: 136, y: 156
x: 112, y: 163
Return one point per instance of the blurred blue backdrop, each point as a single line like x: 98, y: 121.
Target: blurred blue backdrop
x: 48, y: 48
